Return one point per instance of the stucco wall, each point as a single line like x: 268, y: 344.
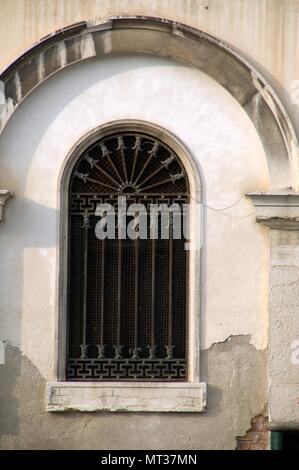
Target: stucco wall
x: 226, y: 146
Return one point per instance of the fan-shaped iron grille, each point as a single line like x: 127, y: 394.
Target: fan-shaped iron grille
x: 127, y: 299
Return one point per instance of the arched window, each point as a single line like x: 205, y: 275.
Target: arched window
x: 127, y: 295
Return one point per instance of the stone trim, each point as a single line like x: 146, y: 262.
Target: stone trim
x: 278, y: 211
x: 147, y: 396
x: 126, y: 397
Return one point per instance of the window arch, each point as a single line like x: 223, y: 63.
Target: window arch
x: 127, y: 298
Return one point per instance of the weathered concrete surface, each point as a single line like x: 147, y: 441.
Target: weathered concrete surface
x: 182, y: 397
x: 284, y: 329
x: 280, y: 212
x: 235, y: 371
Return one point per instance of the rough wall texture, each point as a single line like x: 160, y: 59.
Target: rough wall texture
x: 24, y: 423
x: 263, y: 30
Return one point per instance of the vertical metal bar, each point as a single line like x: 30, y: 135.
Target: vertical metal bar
x: 170, y: 286
x: 136, y: 246
x: 153, y: 292
x: 86, y: 227
x: 102, y: 292
x: 118, y: 291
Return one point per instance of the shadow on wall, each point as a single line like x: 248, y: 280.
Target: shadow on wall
x: 26, y: 227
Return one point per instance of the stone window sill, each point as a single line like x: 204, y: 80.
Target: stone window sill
x: 126, y: 396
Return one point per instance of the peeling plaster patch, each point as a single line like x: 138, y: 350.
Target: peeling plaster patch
x: 229, y: 339
x: 258, y: 339
x: 262, y: 341
x: 257, y: 435
x: 239, y: 337
x: 239, y: 370
x: 24, y: 421
x: 87, y: 47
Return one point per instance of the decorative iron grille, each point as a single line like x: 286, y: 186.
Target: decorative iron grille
x: 127, y: 299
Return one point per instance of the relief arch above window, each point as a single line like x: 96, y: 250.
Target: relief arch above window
x: 129, y: 320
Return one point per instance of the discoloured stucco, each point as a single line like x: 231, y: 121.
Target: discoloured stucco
x: 235, y: 371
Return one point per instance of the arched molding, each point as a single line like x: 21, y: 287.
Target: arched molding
x: 169, y: 39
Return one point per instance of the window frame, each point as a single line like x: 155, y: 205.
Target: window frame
x: 182, y: 390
